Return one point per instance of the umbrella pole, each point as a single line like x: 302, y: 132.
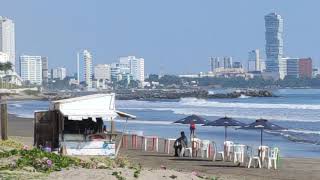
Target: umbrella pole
x: 261, y: 137
x: 225, y: 133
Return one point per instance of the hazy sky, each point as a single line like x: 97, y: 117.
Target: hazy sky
x: 178, y: 35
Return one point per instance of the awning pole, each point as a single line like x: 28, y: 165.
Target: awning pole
x: 120, y: 142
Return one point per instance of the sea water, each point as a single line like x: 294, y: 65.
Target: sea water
x: 298, y: 110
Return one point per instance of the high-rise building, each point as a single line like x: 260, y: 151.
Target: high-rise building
x: 305, y: 67
x: 274, y: 42
x: 59, y: 73
x: 292, y: 67
x: 133, y: 66
x: 7, y: 39
x: 102, y: 72
x: 44, y: 61
x: 214, y: 63
x: 254, y: 63
x: 87, y: 68
x: 282, y: 68
x: 4, y: 57
x: 137, y: 69
x: 115, y: 71
x: 227, y: 62
x: 31, y: 69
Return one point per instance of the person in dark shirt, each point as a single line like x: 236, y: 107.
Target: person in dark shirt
x: 181, y: 142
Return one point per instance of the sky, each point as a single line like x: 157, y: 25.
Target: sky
x: 173, y: 36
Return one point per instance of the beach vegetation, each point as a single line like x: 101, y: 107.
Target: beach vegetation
x: 173, y: 176
x: 10, y: 144
x: 118, y: 175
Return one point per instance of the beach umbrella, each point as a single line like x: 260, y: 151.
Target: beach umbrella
x: 192, y: 118
x: 225, y: 121
x: 262, y: 124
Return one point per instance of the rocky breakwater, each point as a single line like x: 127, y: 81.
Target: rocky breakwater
x: 183, y: 93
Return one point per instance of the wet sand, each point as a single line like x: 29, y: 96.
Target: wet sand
x: 290, y: 168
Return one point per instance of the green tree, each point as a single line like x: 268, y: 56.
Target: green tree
x: 5, y: 66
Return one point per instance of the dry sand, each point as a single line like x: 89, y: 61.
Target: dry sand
x: 84, y: 174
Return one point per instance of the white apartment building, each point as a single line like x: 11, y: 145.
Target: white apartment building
x: 128, y: 65
x: 87, y: 68
x: 102, y: 72
x: 59, y: 73
x: 227, y: 62
x: 7, y: 39
x: 4, y: 57
x: 137, y: 69
x: 31, y: 69
x: 254, y: 63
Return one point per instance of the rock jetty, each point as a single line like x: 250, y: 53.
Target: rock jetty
x: 184, y: 93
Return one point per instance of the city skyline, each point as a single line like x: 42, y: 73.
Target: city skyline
x: 208, y: 33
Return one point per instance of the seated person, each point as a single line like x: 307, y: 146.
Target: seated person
x: 181, y: 142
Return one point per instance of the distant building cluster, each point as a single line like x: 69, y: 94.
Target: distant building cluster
x: 34, y: 69
x: 275, y: 66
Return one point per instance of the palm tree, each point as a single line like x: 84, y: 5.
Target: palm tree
x: 5, y: 66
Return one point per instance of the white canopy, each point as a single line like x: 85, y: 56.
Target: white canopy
x: 91, y: 106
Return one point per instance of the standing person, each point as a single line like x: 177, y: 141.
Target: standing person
x: 192, y: 129
x: 181, y: 142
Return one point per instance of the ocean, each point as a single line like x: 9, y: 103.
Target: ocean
x: 298, y: 110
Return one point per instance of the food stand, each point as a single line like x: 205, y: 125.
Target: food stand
x: 75, y: 125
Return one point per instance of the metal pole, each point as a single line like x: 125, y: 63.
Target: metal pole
x: 4, y: 119
x: 261, y: 137
x: 78, y: 68
x: 120, y: 142
x: 225, y: 133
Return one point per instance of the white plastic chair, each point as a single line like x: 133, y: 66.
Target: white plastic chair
x: 264, y: 154
x: 238, y: 153
x: 273, y: 157
x: 216, y: 152
x: 204, y: 148
x: 228, y: 151
x: 186, y: 150
x: 255, y: 159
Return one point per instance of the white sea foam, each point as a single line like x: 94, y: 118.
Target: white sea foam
x: 302, y: 131
x: 205, y: 103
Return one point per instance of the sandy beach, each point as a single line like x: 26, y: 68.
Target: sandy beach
x: 154, y: 163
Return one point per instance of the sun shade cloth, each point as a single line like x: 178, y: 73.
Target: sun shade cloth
x: 193, y: 118
x: 225, y: 121
x: 91, y: 106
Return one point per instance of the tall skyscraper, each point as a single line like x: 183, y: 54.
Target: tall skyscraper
x: 274, y: 42
x: 254, y: 63
x: 305, y: 67
x: 31, y: 69
x: 102, y: 72
x: 87, y: 68
x: 7, y: 39
x: 214, y: 63
x: 227, y: 62
x: 44, y: 61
